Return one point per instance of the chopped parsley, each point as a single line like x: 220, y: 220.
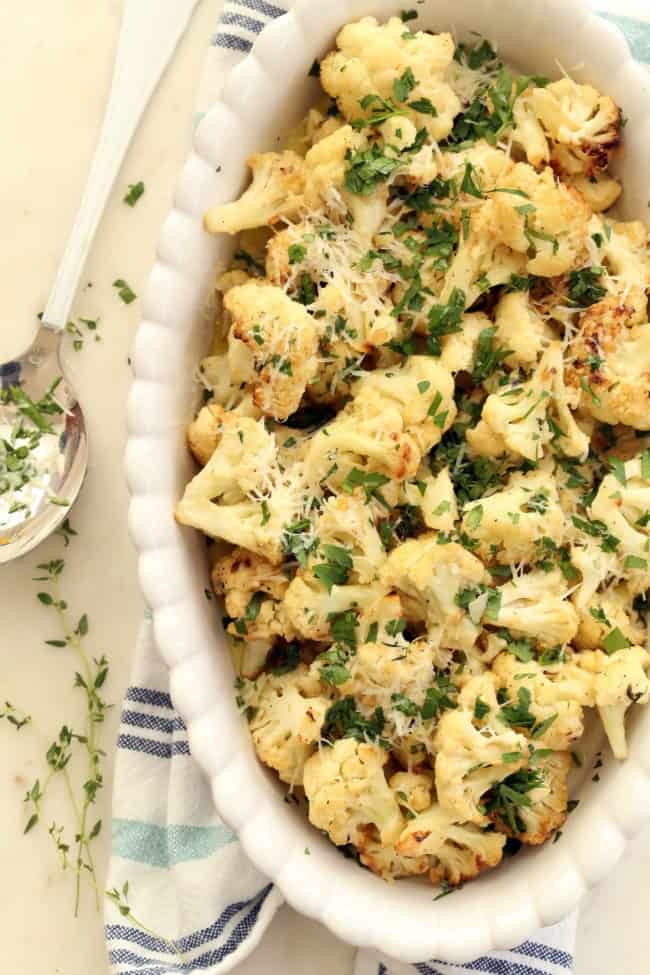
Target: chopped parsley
x: 370, y: 481
x: 489, y: 356
x: 404, y: 85
x: 507, y: 798
x: 615, y: 640
x: 296, y: 253
x: 124, y: 291
x: 344, y: 720
x: 585, y: 287
x: 136, y: 190
x: 333, y: 666
x: 336, y: 570
x: 367, y: 168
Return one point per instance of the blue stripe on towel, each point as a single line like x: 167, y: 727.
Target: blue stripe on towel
x: 535, y: 949
x: 140, y: 719
x: 158, y: 749
x: 231, y: 42
x: 148, y: 942
x: 120, y: 956
x: 144, y: 695
x: 165, y: 846
x: 262, y: 7
x: 241, y: 20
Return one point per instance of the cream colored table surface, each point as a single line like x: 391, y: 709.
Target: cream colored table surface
x: 54, y: 76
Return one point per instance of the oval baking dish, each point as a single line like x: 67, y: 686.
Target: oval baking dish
x: 265, y: 95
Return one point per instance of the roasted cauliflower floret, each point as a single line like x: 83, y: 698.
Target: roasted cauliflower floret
x: 429, y: 576
x: 347, y: 521
x: 347, y: 792
x: 601, y: 192
x: 608, y: 362
x: 378, y: 668
x: 388, y: 864
x: 285, y: 723
x: 626, y: 254
x: 534, y: 605
x: 623, y: 508
x: 470, y: 756
x: 583, y: 125
x: 372, y: 57
x: 204, y: 432
x: 520, y: 329
x: 276, y: 192
x: 509, y: 524
x: 434, y: 495
x: 396, y: 416
x: 542, y: 808
x: 621, y: 680
x: 413, y: 789
x: 459, y: 348
x: 281, y: 340
x: 551, y: 715
x: 325, y: 168
x: 608, y: 609
x: 253, y: 589
x: 241, y: 495
x: 310, y: 608
x: 459, y: 851
x: 550, y: 228
x: 519, y: 412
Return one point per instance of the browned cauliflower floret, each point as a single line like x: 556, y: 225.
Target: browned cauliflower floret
x: 552, y: 715
x: 521, y: 329
x: 429, y: 576
x: 527, y: 416
x: 470, y: 752
x: 600, y: 192
x: 413, y: 789
x: 535, y: 605
x: 388, y: 864
x: 583, y: 125
x: 347, y: 791
x: 281, y: 340
x: 620, y: 680
x: 310, y: 608
x: 371, y: 57
x: 204, y: 432
x: 541, y: 806
x: 241, y: 495
x: 509, y: 523
x: 608, y: 609
x: 253, y: 589
x: 459, y: 851
x: 396, y: 416
x: 608, y: 362
x: 275, y: 192
x: 285, y: 715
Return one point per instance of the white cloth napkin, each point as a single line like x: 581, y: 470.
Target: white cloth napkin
x: 196, y: 902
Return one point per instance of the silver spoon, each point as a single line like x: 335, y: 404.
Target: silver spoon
x: 42, y: 431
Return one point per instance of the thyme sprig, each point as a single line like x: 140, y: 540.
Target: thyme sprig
x: 120, y: 899
x: 90, y: 678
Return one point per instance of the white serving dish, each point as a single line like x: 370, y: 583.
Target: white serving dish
x: 265, y: 95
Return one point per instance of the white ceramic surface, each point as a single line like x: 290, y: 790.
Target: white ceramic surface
x: 266, y: 94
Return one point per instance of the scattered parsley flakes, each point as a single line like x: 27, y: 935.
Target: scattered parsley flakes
x: 124, y: 291
x: 585, y: 286
x: 336, y: 570
x: 615, y: 640
x: 136, y: 190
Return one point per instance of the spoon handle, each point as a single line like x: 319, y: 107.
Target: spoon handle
x: 149, y: 34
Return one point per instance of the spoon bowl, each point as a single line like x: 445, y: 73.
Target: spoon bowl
x: 43, y: 446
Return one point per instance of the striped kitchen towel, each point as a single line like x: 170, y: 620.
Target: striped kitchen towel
x: 194, y: 901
